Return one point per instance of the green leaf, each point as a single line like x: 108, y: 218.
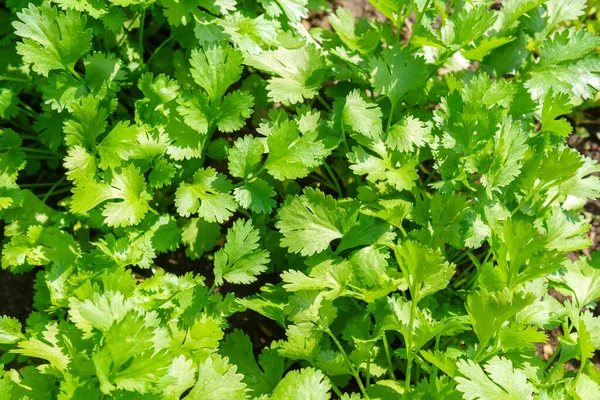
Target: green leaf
x: 490, y: 310
x: 308, y: 383
x: 215, y: 68
x: 261, y: 377
x: 51, y: 39
x: 567, y: 45
x: 309, y: 223
x: 245, y: 156
x: 408, y: 134
x: 200, y: 237
x: 397, y: 72
x: 240, y: 260
x: 500, y: 381
x: 425, y: 269
x: 10, y: 330
x: 580, y: 79
x: 362, y: 116
x: 256, y: 195
x: 582, y: 278
x: 127, y: 185
x: 293, y: 155
x: 217, y: 380
x: 209, y: 196
x: 299, y: 73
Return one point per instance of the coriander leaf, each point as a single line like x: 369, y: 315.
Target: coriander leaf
x: 218, y: 380
x: 500, y: 381
x: 13, y: 158
x: 566, y: 45
x: 50, y: 349
x: 580, y: 79
x: 127, y: 185
x: 425, y: 270
x: 215, y: 68
x: 239, y: 261
x: 261, y: 377
x: 472, y: 23
x: 490, y: 310
x: 200, y: 237
x: 566, y: 232
x: 10, y: 330
x: 87, y: 122
x: 558, y: 11
x: 501, y: 162
x: 362, y: 116
x: 553, y: 107
x: 293, y: 155
x: 306, y: 384
x: 118, y: 145
x: 299, y: 72
x: 234, y: 110
x: 209, y: 196
x: 408, y: 134
x: 330, y: 277
x: 181, y: 375
x: 245, y: 156
x: 256, y: 195
x: 399, y: 170
x: 309, y: 223
x: 582, y: 278
x: 397, y: 72
x: 51, y: 39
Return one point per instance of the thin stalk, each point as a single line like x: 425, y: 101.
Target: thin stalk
x: 547, y: 206
x: 53, y: 188
x: 141, y: 37
x: 368, y: 377
x: 552, y: 357
x: 120, y: 42
x: 529, y: 196
x: 159, y: 48
x: 390, y: 117
x: 56, y: 192
x: 348, y: 362
x: 344, y: 139
x: 34, y: 185
x: 75, y: 74
x: 324, y: 103
x: 12, y: 79
x: 390, y: 366
x: 334, y: 179
x: 409, y: 344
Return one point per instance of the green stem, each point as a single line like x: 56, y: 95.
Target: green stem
x: 348, y: 362
x: 12, y: 79
x: 141, y: 38
x: 344, y: 138
x: 159, y: 48
x: 409, y: 344
x: 334, y: 179
x: 529, y: 196
x: 34, y: 185
x: 552, y: 357
x: 324, y: 103
x: 53, y: 188
x: 120, y: 42
x: 390, y: 117
x: 386, y: 347
x: 75, y: 74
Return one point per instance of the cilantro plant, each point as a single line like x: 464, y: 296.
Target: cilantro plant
x: 221, y: 202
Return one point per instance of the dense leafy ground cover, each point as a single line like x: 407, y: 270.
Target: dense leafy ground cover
x: 221, y: 203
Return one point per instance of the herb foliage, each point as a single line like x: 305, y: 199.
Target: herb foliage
x: 396, y: 197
